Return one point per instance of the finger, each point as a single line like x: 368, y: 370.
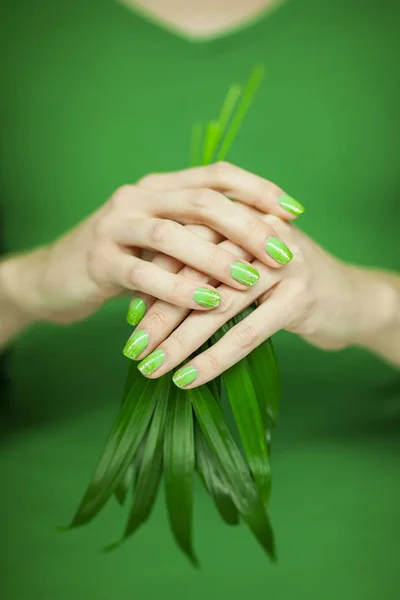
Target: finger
x: 163, y: 318
x: 234, y: 182
x: 131, y: 272
x: 141, y: 303
x: 198, y: 328
x: 237, y: 343
x: 177, y: 241
x: 229, y: 218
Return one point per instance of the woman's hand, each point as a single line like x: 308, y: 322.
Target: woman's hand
x: 105, y: 255
x: 329, y: 303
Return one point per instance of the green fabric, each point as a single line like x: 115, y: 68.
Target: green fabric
x: 93, y: 96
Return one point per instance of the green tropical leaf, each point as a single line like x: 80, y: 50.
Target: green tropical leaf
x: 179, y: 462
x: 249, y: 420
x: 231, y: 463
x: 150, y: 471
x: 263, y: 370
x: 125, y: 436
x: 124, y: 485
x: 264, y: 374
x: 213, y: 480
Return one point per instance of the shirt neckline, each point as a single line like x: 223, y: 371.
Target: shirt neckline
x: 268, y: 14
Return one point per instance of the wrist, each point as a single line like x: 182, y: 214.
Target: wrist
x: 20, y: 286
x: 374, y: 313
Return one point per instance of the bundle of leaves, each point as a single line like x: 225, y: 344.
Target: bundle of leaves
x: 220, y: 430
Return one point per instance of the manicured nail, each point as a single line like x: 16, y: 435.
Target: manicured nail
x: 245, y: 274
x: 278, y: 250
x: 291, y: 205
x: 206, y: 297
x: 136, y: 311
x: 152, y: 362
x: 184, y: 376
x: 136, y: 344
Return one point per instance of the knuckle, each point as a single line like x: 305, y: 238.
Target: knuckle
x: 226, y: 301
x: 252, y: 227
x: 160, y: 231
x: 149, y: 181
x: 137, y: 274
x: 179, y: 339
x: 213, y: 364
x: 122, y: 196
x: 191, y: 273
x: 245, y: 336
x: 159, y: 315
x: 175, y: 293
x: 222, y: 171
x: 102, y: 227
x: 203, y: 199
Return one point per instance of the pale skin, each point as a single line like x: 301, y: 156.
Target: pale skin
x: 183, y: 217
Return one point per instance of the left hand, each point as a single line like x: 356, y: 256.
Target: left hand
x: 313, y: 296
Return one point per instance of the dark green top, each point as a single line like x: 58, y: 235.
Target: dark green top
x: 94, y: 96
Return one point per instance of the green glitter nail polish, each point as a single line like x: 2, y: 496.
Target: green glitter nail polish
x: 291, y: 205
x: 206, y: 297
x: 136, y: 344
x: 136, y: 311
x: 152, y: 362
x: 278, y: 250
x: 245, y: 274
x: 184, y: 376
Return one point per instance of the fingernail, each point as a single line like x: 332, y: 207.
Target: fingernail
x: 244, y: 273
x: 206, y: 297
x: 184, y: 376
x: 136, y: 311
x: 278, y: 250
x: 136, y: 344
x: 291, y: 205
x: 152, y: 362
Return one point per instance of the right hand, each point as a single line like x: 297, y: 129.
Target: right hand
x: 105, y: 255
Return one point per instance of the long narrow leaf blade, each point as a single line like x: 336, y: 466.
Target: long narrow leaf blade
x: 210, y: 142
x: 242, y: 488
x: 125, y: 485
x: 249, y: 420
x: 179, y: 462
x: 212, y: 480
x: 263, y: 369
x: 151, y: 464
x: 123, y: 441
x: 244, y: 105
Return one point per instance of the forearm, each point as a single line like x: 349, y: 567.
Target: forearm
x: 375, y: 313
x: 18, y: 292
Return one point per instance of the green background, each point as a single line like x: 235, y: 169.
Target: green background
x: 93, y: 96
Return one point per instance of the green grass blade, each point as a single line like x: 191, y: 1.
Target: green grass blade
x: 231, y: 463
x: 212, y: 480
x: 195, y: 150
x: 249, y: 419
x: 263, y: 370
x: 250, y: 424
x: 125, y: 436
x: 264, y: 374
x: 125, y: 485
x: 179, y: 463
x: 151, y: 464
x: 150, y: 470
x: 210, y: 142
x: 244, y: 105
